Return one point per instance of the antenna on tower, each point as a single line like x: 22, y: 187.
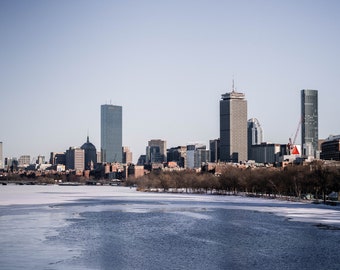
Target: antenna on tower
x: 233, y: 89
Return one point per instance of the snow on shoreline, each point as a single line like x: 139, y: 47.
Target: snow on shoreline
x: 12, y: 195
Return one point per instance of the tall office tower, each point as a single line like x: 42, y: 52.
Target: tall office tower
x: 233, y: 127
x: 214, y: 146
x: 309, y: 122
x: 156, y: 152
x: 255, y: 134
x: 1, y: 157
x: 111, y: 133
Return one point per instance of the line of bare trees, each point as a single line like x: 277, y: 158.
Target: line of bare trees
x: 296, y: 181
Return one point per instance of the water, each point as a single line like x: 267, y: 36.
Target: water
x: 53, y: 227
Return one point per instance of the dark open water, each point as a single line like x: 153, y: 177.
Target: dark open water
x: 155, y: 232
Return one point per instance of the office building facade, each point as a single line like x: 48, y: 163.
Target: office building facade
x: 127, y: 155
x: 268, y: 152
x: 111, y: 133
x: 178, y: 154
x: 196, y: 155
x: 255, y: 135
x: 309, y: 122
x: 156, y: 151
x: 214, y: 146
x: 75, y: 159
x: 330, y: 148
x: 233, y: 127
x: 24, y: 160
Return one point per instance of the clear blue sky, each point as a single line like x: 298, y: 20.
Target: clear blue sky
x: 167, y: 63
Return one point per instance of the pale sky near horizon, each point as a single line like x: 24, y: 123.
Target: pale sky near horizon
x: 167, y: 63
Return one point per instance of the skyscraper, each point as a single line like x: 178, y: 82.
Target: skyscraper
x: 255, y: 134
x: 111, y: 133
x: 233, y: 127
x: 214, y: 146
x: 309, y: 122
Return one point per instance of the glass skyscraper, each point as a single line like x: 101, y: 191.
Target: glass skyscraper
x: 309, y: 122
x: 233, y: 127
x: 255, y: 135
x: 111, y: 133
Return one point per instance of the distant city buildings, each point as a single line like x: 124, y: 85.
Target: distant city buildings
x: 75, y: 159
x: 11, y: 164
x: 196, y: 155
x: 309, y: 122
x: 90, y: 152
x: 233, y: 127
x: 57, y: 158
x: 156, y: 152
x: 127, y: 155
x: 141, y: 160
x: 214, y: 146
x: 111, y: 133
x: 330, y: 148
x: 40, y: 160
x: 240, y: 140
x: 24, y: 160
x: 255, y: 135
x: 179, y: 155
x: 268, y: 153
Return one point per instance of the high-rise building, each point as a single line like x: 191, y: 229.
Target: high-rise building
x: 111, y: 133
x: 255, y: 135
x: 233, y: 127
x: 214, y: 146
x: 1, y: 157
x: 90, y: 152
x: 309, y: 122
x: 127, y: 155
x: 75, y: 159
x: 156, y: 151
x: 196, y: 155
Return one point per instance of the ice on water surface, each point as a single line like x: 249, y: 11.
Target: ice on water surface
x: 96, y: 227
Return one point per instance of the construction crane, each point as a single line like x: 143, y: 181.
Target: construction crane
x: 292, y: 147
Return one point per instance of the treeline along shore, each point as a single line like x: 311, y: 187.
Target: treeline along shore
x: 314, y: 182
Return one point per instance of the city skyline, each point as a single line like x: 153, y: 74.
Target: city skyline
x: 166, y: 64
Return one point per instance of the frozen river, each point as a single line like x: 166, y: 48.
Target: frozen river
x: 104, y: 227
